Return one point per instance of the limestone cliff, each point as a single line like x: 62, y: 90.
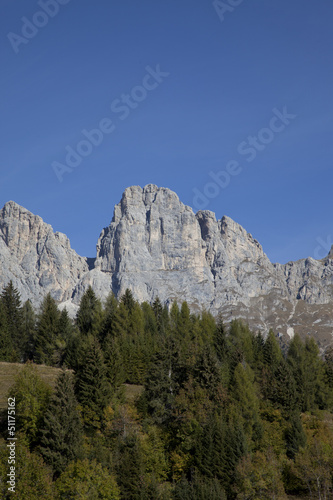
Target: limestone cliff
x: 156, y: 246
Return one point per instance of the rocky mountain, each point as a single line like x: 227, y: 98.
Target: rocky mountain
x: 156, y: 246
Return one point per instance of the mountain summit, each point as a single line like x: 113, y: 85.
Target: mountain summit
x: 156, y: 246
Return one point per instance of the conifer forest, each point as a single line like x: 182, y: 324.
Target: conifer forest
x: 155, y: 402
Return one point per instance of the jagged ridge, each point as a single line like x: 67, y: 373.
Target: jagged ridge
x: 156, y: 246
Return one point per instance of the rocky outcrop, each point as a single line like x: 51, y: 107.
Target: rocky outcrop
x: 156, y: 246
x: 35, y: 258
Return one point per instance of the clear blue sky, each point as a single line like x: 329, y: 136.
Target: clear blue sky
x: 225, y: 78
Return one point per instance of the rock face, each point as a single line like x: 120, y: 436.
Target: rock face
x: 156, y: 246
x: 35, y: 258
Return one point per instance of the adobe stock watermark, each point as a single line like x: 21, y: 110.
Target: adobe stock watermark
x: 323, y: 248
x: 222, y: 8
x: 31, y: 27
x: 248, y: 148
x: 122, y: 108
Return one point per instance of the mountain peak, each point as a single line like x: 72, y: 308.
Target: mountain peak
x: 157, y: 247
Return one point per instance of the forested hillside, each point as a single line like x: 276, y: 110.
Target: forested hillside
x: 153, y: 403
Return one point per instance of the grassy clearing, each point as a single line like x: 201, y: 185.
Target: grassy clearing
x: 132, y: 392
x: 8, y: 372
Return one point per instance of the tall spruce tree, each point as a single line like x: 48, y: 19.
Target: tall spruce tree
x: 92, y: 386
x: 47, y: 331
x: 295, y: 437
x: 29, y: 327
x: 7, y: 352
x: 89, y: 317
x: 61, y: 439
x: 110, y: 309
x: 128, y: 300
x: 11, y: 301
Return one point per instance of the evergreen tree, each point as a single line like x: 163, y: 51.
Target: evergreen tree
x: 115, y: 370
x: 235, y: 448
x: 120, y: 321
x: 110, y: 309
x: 271, y: 352
x: 174, y: 318
x: 206, y: 370
x: 329, y: 365
x: 11, y: 301
x: 184, y: 321
x: 220, y: 339
x: 258, y: 349
x: 29, y: 328
x: 7, y: 352
x: 150, y: 321
x: 207, y: 327
x: 316, y: 395
x: 92, y: 387
x: 62, y: 431
x: 162, y: 383
x: 295, y: 437
x: 198, y: 489
x: 47, y: 331
x: 158, y: 312
x: 89, y: 317
x: 244, y: 392
x: 128, y: 300
x: 130, y: 468
x: 282, y: 389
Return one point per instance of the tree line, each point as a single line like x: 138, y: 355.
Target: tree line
x: 158, y: 403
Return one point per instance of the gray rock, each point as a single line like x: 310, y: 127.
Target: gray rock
x: 156, y: 246
x: 36, y: 259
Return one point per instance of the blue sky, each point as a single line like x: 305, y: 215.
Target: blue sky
x: 223, y: 75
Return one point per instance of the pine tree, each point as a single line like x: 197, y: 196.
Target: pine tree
x: 220, y: 340
x: 271, y: 352
x: 64, y: 337
x: 11, y: 301
x: 47, y: 331
x: 92, y: 387
x: 130, y: 468
x: 235, y: 448
x: 207, y: 327
x: 29, y: 327
x: 206, y: 370
x: 110, y: 310
x: 295, y: 437
x: 201, y: 488
x: 162, y: 383
x: 89, y: 317
x: 184, y: 321
x: 158, y: 312
x: 115, y: 370
x: 62, y: 431
x: 150, y: 321
x: 282, y: 389
x: 7, y: 352
x: 128, y: 300
x: 120, y: 321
